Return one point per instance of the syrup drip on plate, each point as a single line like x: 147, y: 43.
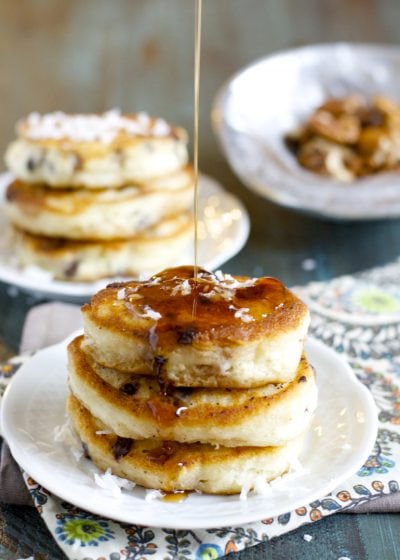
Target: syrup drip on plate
x: 176, y: 496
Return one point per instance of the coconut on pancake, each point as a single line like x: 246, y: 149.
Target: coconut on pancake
x: 139, y: 407
x: 84, y: 261
x: 89, y: 214
x: 213, y: 331
x: 92, y: 151
x: 170, y: 466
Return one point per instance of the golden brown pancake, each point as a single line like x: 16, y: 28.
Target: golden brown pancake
x: 109, y: 150
x: 84, y: 261
x: 138, y: 407
x: 101, y: 214
x: 171, y: 466
x: 216, y: 331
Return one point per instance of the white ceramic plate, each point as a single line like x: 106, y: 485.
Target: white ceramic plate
x: 342, y: 434
x: 224, y: 227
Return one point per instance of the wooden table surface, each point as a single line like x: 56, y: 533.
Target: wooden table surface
x: 90, y: 55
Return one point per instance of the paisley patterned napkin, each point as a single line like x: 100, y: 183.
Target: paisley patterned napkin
x: 358, y: 316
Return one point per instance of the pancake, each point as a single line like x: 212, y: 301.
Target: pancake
x: 171, y: 466
x: 84, y: 261
x: 88, y: 214
x: 217, y: 331
x: 138, y: 407
x: 92, y: 151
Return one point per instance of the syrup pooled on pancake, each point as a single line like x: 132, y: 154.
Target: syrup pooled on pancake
x: 149, y: 327
x: 224, y: 305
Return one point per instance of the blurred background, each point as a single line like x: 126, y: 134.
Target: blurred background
x: 93, y: 55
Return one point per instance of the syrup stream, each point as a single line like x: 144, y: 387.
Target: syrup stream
x: 196, y: 91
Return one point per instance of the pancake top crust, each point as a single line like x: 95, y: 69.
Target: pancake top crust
x: 175, y: 308
x: 111, y: 127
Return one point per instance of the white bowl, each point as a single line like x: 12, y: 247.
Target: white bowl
x: 260, y: 104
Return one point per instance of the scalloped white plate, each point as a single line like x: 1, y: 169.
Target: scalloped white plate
x: 341, y: 436
x: 224, y: 227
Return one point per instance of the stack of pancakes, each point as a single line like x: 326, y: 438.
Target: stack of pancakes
x: 186, y: 382
x: 99, y: 195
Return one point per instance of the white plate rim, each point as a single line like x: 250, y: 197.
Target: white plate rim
x: 208, y: 187
x: 169, y: 517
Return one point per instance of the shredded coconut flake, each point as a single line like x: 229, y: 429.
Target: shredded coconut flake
x: 261, y: 487
x: 152, y: 495
x: 255, y: 486
x: 112, y: 483
x: 143, y: 119
x: 103, y: 433
x: 246, y: 486
x: 307, y: 538
x: 228, y: 281
x: 179, y: 410
x: 134, y: 295
x: 295, y: 471
x: 121, y: 293
x: 149, y: 313
x: 295, y: 467
x: 276, y: 482
x: 90, y: 128
x: 242, y: 314
x: 227, y: 278
x: 66, y: 434
x: 183, y: 288
x: 154, y: 280
x: 161, y: 128
x: 219, y: 293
